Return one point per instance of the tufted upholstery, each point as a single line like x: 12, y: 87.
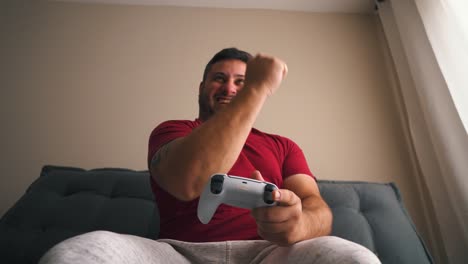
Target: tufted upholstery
x: 373, y: 215
x: 64, y: 202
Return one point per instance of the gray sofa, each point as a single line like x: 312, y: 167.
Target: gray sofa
x: 64, y: 202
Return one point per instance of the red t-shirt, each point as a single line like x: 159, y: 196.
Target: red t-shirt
x: 274, y: 156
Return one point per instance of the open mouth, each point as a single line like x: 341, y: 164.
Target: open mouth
x: 223, y: 99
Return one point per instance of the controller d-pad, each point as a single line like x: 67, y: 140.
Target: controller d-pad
x: 217, y: 184
x: 268, y: 194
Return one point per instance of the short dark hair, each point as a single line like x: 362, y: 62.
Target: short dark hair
x: 227, y: 54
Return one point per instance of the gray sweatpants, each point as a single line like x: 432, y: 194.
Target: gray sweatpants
x: 107, y: 247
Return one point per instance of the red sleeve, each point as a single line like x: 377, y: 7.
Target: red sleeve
x: 294, y: 160
x: 166, y: 132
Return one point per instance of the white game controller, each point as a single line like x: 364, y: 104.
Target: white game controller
x: 235, y: 191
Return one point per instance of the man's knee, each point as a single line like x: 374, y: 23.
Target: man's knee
x: 86, y: 248
x: 330, y: 249
x: 102, y: 247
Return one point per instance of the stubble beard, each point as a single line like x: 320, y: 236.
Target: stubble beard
x: 205, y: 109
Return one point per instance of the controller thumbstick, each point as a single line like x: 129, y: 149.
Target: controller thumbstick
x: 268, y: 194
x: 217, y: 183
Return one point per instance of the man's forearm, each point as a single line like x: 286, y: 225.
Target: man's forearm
x: 184, y: 165
x: 317, y: 217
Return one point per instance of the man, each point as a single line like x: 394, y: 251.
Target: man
x: 182, y: 156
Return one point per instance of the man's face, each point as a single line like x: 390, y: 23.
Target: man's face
x: 222, y: 83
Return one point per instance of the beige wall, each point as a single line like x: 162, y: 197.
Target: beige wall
x: 83, y: 85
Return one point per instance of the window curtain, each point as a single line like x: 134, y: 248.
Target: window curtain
x: 429, y: 55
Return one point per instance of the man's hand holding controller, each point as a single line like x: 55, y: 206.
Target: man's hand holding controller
x: 234, y: 191
x: 277, y: 212
x: 282, y: 224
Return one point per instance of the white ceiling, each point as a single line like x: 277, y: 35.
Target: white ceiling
x: 340, y: 6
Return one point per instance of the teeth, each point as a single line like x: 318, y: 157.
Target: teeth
x: 223, y: 99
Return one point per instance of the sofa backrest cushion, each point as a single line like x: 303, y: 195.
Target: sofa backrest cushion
x: 373, y: 215
x: 65, y: 201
